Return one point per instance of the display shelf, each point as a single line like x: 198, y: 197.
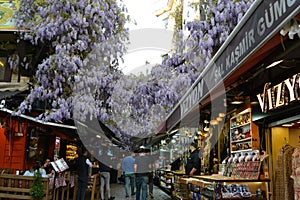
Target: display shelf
x: 245, y: 170
x: 181, y: 187
x: 221, y: 187
x: 166, y: 180
x: 242, y: 140
x: 239, y: 126
x: 240, y: 151
x: 244, y: 135
x: 219, y: 178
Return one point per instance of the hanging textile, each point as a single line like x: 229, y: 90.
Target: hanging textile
x: 296, y: 172
x: 283, y: 182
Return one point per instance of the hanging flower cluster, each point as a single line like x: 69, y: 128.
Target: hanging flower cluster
x: 79, y: 78
x: 139, y: 103
x: 206, y: 36
x: 148, y: 99
x: 71, y: 30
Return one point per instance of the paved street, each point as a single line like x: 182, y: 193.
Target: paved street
x: 118, y: 191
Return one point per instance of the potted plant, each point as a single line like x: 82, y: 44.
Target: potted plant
x: 37, y: 190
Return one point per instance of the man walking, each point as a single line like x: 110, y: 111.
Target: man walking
x: 105, y: 180
x: 142, y: 168
x: 152, y: 158
x: 127, y: 167
x: 82, y: 165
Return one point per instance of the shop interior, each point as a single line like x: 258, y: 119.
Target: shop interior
x: 270, y: 130
x: 282, y: 133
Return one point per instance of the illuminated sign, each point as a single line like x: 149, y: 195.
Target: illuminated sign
x: 280, y: 95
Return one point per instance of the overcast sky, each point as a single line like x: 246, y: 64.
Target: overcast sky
x: 143, y: 13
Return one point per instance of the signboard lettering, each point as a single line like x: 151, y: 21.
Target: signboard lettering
x: 259, y: 27
x: 193, y: 98
x: 279, y: 95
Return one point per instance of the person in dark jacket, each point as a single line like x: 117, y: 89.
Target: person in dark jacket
x: 47, y: 166
x: 82, y: 165
x: 193, y: 162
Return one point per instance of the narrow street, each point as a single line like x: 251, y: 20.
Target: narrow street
x: 199, y: 97
x: 118, y: 191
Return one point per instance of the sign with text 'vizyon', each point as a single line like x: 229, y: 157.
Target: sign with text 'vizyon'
x: 280, y: 95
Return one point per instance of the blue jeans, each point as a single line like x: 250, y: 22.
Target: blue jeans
x: 141, y: 182
x: 104, y: 181
x: 129, y: 179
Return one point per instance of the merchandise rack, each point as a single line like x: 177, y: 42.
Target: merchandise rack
x: 244, y: 135
x: 212, y: 182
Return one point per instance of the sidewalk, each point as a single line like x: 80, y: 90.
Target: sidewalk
x: 118, y: 191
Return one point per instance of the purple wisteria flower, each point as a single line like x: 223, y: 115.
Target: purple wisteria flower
x: 86, y: 41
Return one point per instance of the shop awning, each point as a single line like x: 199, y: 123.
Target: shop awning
x: 245, y: 41
x: 8, y: 89
x: 38, y: 120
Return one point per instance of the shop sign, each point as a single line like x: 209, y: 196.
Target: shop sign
x: 8, y: 10
x: 57, y: 142
x: 266, y: 20
x: 193, y: 98
x: 279, y: 95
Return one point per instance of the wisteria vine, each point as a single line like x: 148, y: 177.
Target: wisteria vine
x: 72, y: 29
x: 129, y: 105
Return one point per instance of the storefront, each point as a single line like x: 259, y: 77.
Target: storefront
x: 26, y: 140
x: 279, y: 116
x: 237, y: 108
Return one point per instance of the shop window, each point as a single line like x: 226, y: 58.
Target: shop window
x: 2, y: 67
x: 5, y: 72
x: 38, y: 144
x: 33, y: 145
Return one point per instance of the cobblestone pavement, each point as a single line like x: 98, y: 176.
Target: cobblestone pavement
x: 118, y: 191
